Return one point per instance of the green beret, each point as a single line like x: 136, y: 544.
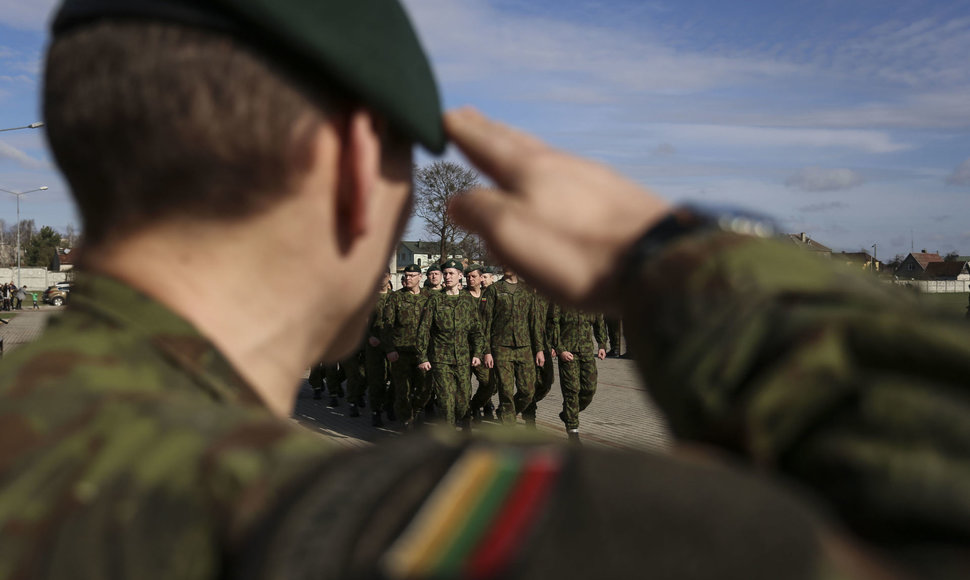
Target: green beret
x: 455, y: 264
x: 367, y: 48
x: 412, y: 268
x: 433, y: 268
x: 472, y: 267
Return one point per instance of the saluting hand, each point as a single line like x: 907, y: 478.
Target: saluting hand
x: 547, y: 203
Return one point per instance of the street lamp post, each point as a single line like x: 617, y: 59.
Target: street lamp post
x: 20, y: 194
x: 31, y: 126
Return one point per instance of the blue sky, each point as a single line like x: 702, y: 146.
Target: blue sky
x: 847, y: 120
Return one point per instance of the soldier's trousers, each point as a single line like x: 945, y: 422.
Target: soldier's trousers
x: 515, y: 378
x: 545, y: 376
x: 577, y: 379
x: 376, y: 373
x: 356, y: 385
x: 332, y: 374
x: 453, y: 387
x: 409, y: 386
x: 486, y: 387
x: 614, y: 327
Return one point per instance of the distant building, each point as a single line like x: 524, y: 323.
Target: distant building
x: 861, y: 260
x: 421, y: 253
x: 802, y: 241
x: 952, y: 270
x: 916, y: 263
x: 63, y: 260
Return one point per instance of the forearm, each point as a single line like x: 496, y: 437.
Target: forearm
x: 789, y: 360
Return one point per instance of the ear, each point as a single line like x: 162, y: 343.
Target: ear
x: 360, y: 166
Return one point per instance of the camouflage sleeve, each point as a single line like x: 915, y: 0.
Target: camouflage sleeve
x: 387, y: 324
x: 475, y: 335
x: 600, y: 333
x: 488, y: 314
x: 848, y: 385
x: 424, y: 327
x: 537, y: 324
x: 552, y: 329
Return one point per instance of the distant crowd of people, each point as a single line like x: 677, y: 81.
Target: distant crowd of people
x: 426, y: 340
x: 13, y: 297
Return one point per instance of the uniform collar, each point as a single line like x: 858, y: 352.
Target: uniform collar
x: 114, y: 302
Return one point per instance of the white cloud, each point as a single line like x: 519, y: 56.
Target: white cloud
x: 723, y: 135
x: 823, y: 179
x: 21, y: 158
x: 26, y: 14
x: 960, y: 175
x: 472, y: 42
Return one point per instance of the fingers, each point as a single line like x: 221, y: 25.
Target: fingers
x: 498, y: 150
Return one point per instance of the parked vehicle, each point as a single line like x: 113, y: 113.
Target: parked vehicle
x: 57, y: 295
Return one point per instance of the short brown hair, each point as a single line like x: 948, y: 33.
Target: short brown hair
x: 154, y: 121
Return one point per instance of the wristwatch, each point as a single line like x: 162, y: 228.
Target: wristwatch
x: 692, y: 218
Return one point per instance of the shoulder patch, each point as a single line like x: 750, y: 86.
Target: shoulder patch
x: 473, y: 523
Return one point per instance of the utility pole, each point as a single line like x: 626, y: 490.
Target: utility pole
x: 875, y: 257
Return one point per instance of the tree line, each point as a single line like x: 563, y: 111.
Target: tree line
x: 37, y: 246
x: 435, y: 185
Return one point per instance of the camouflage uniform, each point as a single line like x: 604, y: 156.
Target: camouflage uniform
x: 449, y: 336
x: 375, y: 361
x: 513, y: 336
x: 131, y: 448
x: 545, y: 375
x: 574, y: 332
x: 402, y: 315
x: 354, y: 372
x: 486, y: 386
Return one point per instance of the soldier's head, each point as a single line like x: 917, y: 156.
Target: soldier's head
x: 434, y: 276
x: 451, y: 271
x: 488, y: 278
x: 473, y: 276
x: 508, y: 272
x: 411, y: 279
x: 210, y: 117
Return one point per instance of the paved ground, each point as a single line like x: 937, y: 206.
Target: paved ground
x: 25, y: 327
x: 620, y: 415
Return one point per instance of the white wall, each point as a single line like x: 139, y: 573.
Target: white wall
x: 937, y: 286
x: 35, y: 278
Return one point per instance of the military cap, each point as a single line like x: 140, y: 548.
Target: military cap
x: 412, y: 268
x: 433, y: 268
x: 367, y: 48
x: 452, y: 264
x: 472, y: 267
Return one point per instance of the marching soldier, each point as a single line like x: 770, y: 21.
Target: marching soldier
x: 399, y: 339
x: 376, y: 365
x: 481, y: 403
x: 449, y: 339
x: 574, y: 333
x: 513, y: 343
x: 545, y: 374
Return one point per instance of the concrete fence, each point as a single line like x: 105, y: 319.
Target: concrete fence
x: 35, y: 278
x: 937, y: 286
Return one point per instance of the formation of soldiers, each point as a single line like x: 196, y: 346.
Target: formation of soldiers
x: 424, y: 344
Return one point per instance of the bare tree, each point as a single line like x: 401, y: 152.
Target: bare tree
x: 434, y: 187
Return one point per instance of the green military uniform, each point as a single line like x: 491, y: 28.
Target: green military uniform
x: 353, y: 370
x: 574, y: 332
x: 375, y: 361
x: 131, y: 448
x: 402, y: 316
x: 545, y: 374
x: 449, y: 336
x: 513, y: 336
x: 483, y: 375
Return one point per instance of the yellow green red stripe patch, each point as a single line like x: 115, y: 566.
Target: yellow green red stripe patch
x: 478, y: 514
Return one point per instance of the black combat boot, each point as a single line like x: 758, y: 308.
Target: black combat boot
x: 353, y: 410
x: 530, y: 422
x: 316, y: 395
x: 375, y: 419
x: 573, y: 435
x: 334, y: 402
x: 390, y: 413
